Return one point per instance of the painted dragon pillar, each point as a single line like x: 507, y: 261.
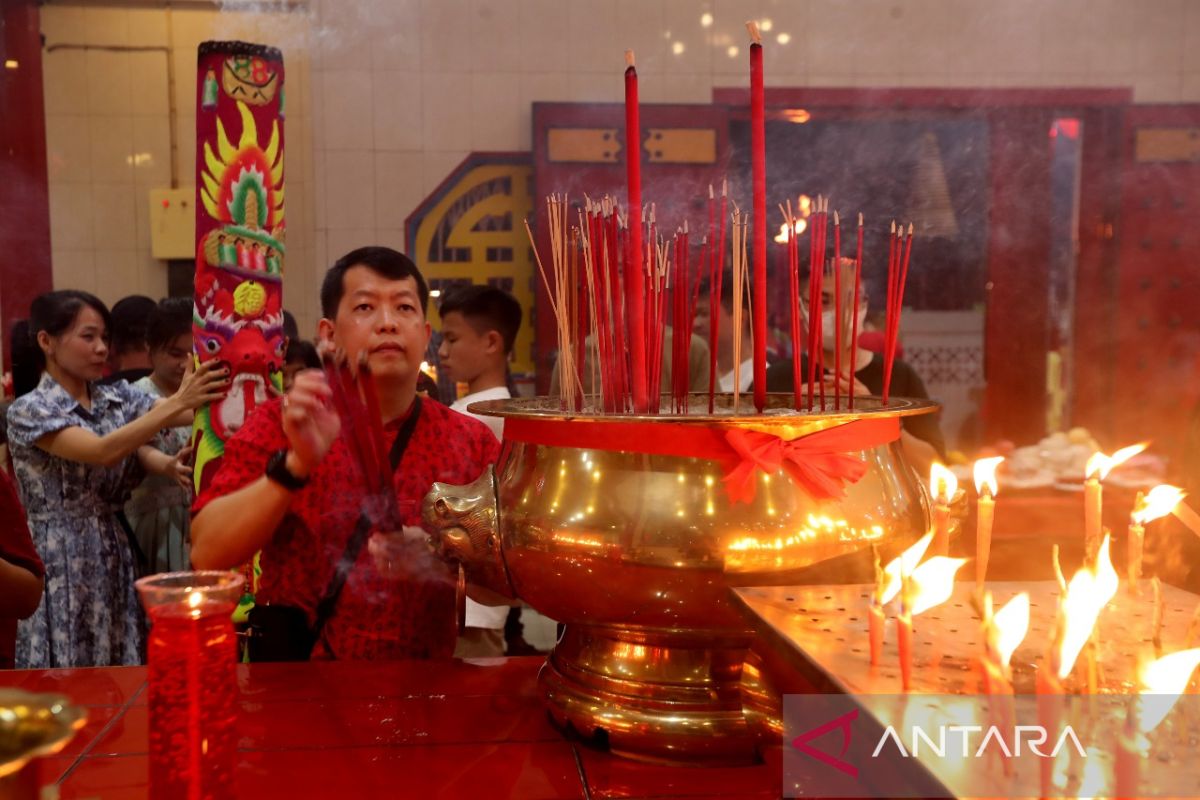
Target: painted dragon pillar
x: 238, y: 312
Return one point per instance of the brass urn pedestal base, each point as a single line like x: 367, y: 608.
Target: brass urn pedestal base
x: 654, y: 695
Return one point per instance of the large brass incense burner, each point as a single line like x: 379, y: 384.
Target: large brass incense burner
x: 637, y: 554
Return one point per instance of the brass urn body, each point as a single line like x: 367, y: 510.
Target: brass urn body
x: 636, y: 553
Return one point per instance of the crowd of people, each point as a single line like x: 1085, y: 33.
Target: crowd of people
x: 98, y: 440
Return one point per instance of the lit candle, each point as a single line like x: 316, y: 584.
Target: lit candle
x: 928, y: 586
x: 758, y: 170
x: 1003, y: 632
x: 943, y: 485
x: 904, y: 631
x: 875, y: 618
x: 1161, y: 501
x: 985, y: 508
x: 1132, y: 747
x: 1098, y: 467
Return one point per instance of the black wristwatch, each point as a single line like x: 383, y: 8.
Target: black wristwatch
x: 277, y: 471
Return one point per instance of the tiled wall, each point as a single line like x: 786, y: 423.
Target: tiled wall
x: 402, y: 90
x: 109, y: 140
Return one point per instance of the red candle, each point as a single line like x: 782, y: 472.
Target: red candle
x: 758, y: 169
x: 634, y: 300
x: 192, y: 683
x: 714, y: 302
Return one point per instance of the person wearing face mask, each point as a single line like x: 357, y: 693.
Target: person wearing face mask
x: 158, y: 511
x: 862, y: 370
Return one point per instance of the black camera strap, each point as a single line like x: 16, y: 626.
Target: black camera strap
x: 361, y: 531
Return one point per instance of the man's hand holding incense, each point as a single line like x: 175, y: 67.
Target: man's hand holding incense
x: 309, y: 421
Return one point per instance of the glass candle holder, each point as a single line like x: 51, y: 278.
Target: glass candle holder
x: 193, y: 682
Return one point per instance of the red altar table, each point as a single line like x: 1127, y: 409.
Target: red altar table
x: 421, y: 729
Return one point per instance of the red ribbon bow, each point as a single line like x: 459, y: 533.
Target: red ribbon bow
x: 820, y: 463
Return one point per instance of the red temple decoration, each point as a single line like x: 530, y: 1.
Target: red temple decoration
x: 238, y: 314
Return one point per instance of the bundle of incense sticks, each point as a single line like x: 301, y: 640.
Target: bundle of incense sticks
x: 357, y: 404
x: 591, y: 261
x: 899, y: 252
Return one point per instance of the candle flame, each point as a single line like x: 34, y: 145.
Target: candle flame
x: 1160, y: 501
x: 985, y: 475
x: 799, y: 226
x: 1100, y: 464
x: 903, y: 564
x: 942, y: 483
x: 1166, y: 677
x: 1012, y: 624
x: 195, y: 599
x: 1087, y: 594
x: 933, y: 582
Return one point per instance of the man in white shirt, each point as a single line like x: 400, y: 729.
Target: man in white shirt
x: 479, y: 328
x: 729, y: 374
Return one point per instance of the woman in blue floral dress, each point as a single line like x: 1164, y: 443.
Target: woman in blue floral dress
x: 78, y: 450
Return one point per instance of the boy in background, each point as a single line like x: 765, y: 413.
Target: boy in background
x: 479, y: 329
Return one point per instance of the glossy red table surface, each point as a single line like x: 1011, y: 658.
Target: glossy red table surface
x: 427, y: 729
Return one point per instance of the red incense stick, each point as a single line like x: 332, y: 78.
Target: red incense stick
x: 634, y: 299
x: 758, y: 165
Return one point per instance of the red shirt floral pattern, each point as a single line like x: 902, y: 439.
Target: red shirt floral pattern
x: 375, y: 618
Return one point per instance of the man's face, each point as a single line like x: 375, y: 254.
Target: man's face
x: 465, y: 353
x: 382, y: 318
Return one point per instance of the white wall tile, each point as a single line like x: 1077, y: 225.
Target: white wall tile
x: 65, y: 81
x: 398, y: 187
x: 496, y: 112
x: 338, y: 36
x: 110, y: 82
x: 543, y: 35
x: 107, y: 26
x: 597, y: 87
x: 112, y: 148
x: 68, y: 148
x: 495, y: 31
x: 396, y: 39
x: 71, y: 216
x: 398, y: 111
x: 63, y: 24
x: 445, y: 118
x: 114, y: 224
x: 445, y: 35
x: 74, y: 269
x: 1155, y: 89
x: 152, y: 275
x: 593, y: 42
x: 1190, y: 89
x: 118, y: 274
x: 152, y: 151
x: 343, y: 240
x: 347, y: 122
x: 148, y: 83
x: 682, y: 19
x: 147, y: 27
x: 350, y: 189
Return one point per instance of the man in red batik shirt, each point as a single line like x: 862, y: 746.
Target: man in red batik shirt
x: 289, y: 486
